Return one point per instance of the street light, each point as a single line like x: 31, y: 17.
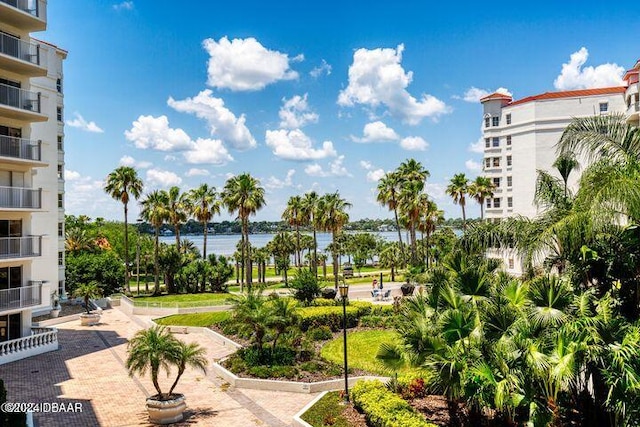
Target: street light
x: 344, y: 293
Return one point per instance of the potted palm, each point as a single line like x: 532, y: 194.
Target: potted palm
x: 155, y: 348
x: 55, y: 305
x: 88, y: 291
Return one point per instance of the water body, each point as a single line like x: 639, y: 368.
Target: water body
x: 225, y: 244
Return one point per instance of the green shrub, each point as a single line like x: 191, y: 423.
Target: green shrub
x: 383, y: 408
x: 260, y: 372
x: 323, y: 302
x: 326, y: 316
x: 254, y: 356
x: 320, y: 333
x: 364, y: 307
x: 305, y: 286
x: 377, y: 321
x: 382, y: 310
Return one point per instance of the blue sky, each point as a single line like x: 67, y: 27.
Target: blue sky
x: 309, y: 95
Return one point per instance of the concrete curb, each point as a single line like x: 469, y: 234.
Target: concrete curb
x: 297, y: 418
x: 56, y: 320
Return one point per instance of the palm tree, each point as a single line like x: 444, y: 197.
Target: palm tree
x: 388, y: 189
x: 310, y: 216
x: 430, y: 219
x: 177, y: 208
x: 334, y: 216
x: 244, y: 194
x: 294, y: 216
x: 281, y: 247
x: 457, y: 189
x: 193, y: 355
x: 87, y: 291
x: 412, y: 204
x: 481, y: 189
x: 122, y: 184
x: 565, y: 164
x: 412, y: 170
x: 154, y: 211
x: 204, y: 205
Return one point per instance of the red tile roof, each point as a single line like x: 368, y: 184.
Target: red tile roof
x: 496, y: 95
x: 51, y: 44
x: 570, y: 94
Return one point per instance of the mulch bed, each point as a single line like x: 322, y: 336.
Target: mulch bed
x: 353, y: 417
x: 439, y: 411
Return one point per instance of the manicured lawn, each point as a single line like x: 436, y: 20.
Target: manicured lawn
x: 362, y: 347
x: 184, y: 300
x: 194, y: 319
x: 327, y: 412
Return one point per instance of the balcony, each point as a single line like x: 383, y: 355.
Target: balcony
x: 21, y: 151
x: 22, y: 297
x: 41, y: 340
x: 20, y: 247
x: 20, y: 198
x: 633, y: 112
x: 30, y: 15
x: 20, y: 104
x: 22, y: 56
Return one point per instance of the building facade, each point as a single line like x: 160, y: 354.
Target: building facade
x: 520, y: 138
x: 632, y: 95
x: 31, y: 179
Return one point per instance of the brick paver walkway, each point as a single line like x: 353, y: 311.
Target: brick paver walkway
x: 89, y: 369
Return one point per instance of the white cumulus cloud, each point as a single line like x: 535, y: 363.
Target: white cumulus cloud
x: 70, y: 175
x: 125, y: 5
x: 150, y: 132
x: 80, y: 123
x: 474, y: 94
x: 274, y: 183
x: 208, y: 151
x: 478, y: 146
x: 473, y: 166
x: 414, y: 143
x: 376, y: 78
x: 335, y: 168
x: 244, y: 64
x: 575, y: 76
x: 376, y: 132
x: 365, y: 164
x: 162, y: 178
x: 130, y: 161
x: 375, y: 175
x: 222, y: 122
x: 296, y: 145
x: 321, y: 69
x: 197, y: 172
x: 295, y: 113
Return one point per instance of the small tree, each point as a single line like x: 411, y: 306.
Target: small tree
x: 305, y: 286
x: 88, y: 291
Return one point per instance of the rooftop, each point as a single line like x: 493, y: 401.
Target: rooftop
x: 568, y: 94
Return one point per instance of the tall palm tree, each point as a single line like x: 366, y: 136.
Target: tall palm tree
x: 412, y: 170
x: 294, y: 216
x: 388, y: 192
x: 412, y: 202
x: 204, y: 205
x: 457, y: 189
x: 177, y: 207
x: 123, y: 184
x: 243, y: 194
x: 431, y: 218
x: 481, y: 189
x: 334, y: 217
x: 310, y: 216
x: 154, y: 211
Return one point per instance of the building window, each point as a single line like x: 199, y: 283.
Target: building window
x: 496, y: 182
x: 496, y: 142
x: 487, y: 142
x: 60, y: 259
x: 496, y: 162
x: 604, y: 107
x: 60, y: 229
x: 59, y: 84
x: 487, y: 122
x: 508, y: 139
x: 496, y: 202
x: 509, y: 202
x: 60, y: 201
x: 509, y: 181
x: 508, y: 160
x: 495, y: 121
x: 59, y: 114
x: 508, y: 119
x: 487, y: 162
x: 488, y: 203
x: 60, y: 287
x: 60, y: 171
x: 60, y: 144
x: 511, y: 263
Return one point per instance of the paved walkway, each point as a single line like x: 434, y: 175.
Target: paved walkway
x: 89, y: 370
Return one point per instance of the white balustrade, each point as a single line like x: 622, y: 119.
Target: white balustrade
x: 40, y: 341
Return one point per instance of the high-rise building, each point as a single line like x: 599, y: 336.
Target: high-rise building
x: 31, y: 179
x: 520, y: 138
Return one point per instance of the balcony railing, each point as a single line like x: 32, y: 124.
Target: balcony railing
x: 24, y: 296
x: 41, y: 340
x: 19, y: 98
x: 20, y: 247
x: 20, y: 198
x: 19, y: 148
x: 21, y: 49
x: 634, y: 107
x: 32, y: 7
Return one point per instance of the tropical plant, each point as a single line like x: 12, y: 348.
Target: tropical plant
x: 457, y: 189
x: 177, y: 209
x: 87, y: 291
x: 154, y: 211
x: 332, y: 209
x: 388, y: 192
x: 294, y: 216
x: 204, y: 205
x: 310, y: 217
x: 305, y: 286
x: 481, y: 189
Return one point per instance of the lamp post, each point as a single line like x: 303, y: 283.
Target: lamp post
x: 344, y: 293
x: 139, y: 221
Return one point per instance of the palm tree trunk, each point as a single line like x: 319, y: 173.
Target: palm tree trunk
x: 204, y: 248
x: 175, y: 383
x: 242, y: 262
x: 334, y: 255
x: 315, y: 252
x: 156, y: 273
x: 464, y: 216
x: 298, y: 246
x: 414, y: 257
x: 154, y: 380
x: 126, y: 250
x: 482, y: 209
x: 247, y: 255
x: 395, y: 213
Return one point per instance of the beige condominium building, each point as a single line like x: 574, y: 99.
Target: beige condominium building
x: 31, y: 179
x: 520, y: 138
x: 632, y: 95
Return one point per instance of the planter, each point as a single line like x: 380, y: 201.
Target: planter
x: 328, y: 293
x: 55, y: 312
x: 89, y: 319
x: 407, y: 289
x: 166, y: 411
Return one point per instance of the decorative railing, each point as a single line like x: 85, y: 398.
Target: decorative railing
x: 19, y: 98
x: 19, y: 148
x: 21, y: 49
x: 40, y: 341
x: 19, y: 247
x: 20, y: 198
x: 32, y: 7
x: 24, y: 296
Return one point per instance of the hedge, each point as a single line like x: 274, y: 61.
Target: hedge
x: 327, y: 316
x: 383, y: 408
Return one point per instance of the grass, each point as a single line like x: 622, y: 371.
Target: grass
x: 362, y: 347
x: 194, y: 319
x: 327, y: 412
x: 183, y: 300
